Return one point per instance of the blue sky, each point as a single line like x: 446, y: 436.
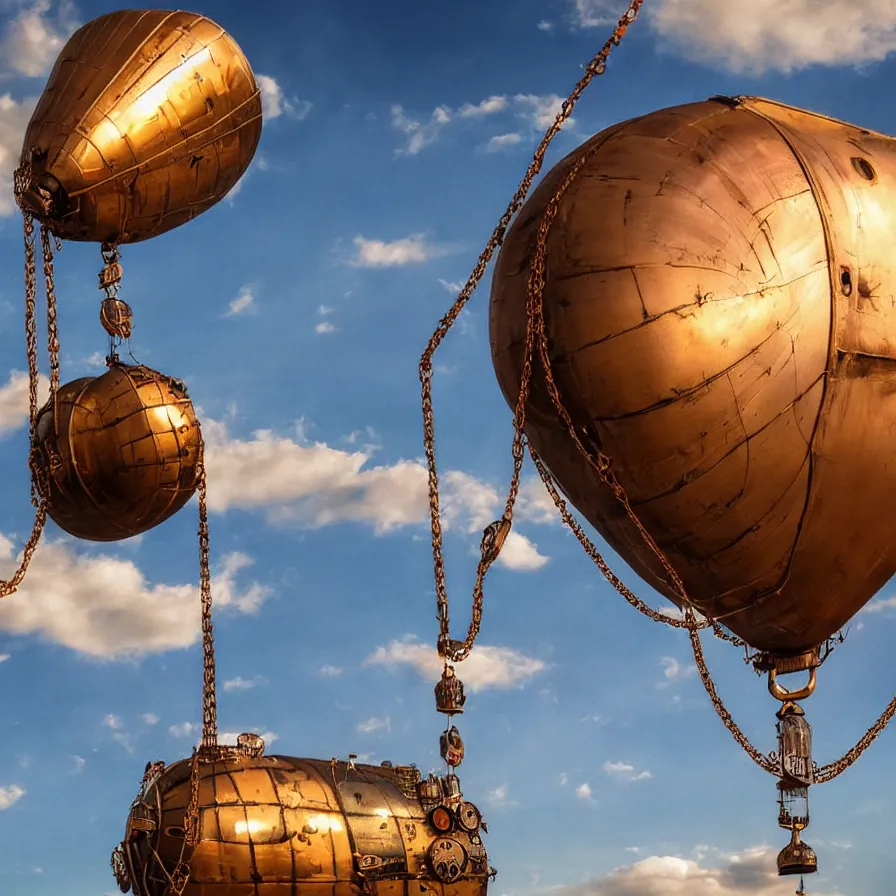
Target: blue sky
x: 296, y: 310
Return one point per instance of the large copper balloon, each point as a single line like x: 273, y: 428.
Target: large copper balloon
x: 721, y: 321
x: 148, y: 119
x: 118, y: 454
x: 281, y: 826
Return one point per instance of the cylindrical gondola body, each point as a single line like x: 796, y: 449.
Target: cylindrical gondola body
x: 283, y: 826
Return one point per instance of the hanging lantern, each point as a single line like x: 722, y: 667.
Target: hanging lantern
x: 270, y: 823
x: 449, y: 693
x: 117, y: 454
x: 148, y: 119
x: 796, y: 773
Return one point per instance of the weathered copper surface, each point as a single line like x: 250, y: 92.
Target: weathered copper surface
x: 120, y: 455
x: 280, y: 826
x: 721, y: 316
x: 148, y: 119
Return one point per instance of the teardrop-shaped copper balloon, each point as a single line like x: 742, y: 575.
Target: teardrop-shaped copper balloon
x: 720, y: 312
x: 148, y: 119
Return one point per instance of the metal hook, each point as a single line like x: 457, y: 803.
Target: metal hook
x: 784, y: 695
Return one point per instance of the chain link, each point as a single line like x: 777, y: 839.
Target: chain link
x: 453, y: 650
x: 209, y: 685
x: 9, y: 586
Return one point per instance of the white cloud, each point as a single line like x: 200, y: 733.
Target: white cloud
x: 241, y: 684
x: 452, y: 286
x: 751, y: 36
x: 14, y: 116
x: 381, y: 254
x: 103, y: 606
x: 14, y: 393
x: 274, y: 103
x: 149, y: 718
x: 750, y: 872
x: 328, y: 671
x: 9, y: 796
x: 486, y: 107
x: 545, y: 25
x: 315, y: 485
x: 673, y: 670
x: 183, y: 729
x: 563, y: 779
x: 32, y: 39
x: 595, y: 13
x: 540, y: 111
x: 112, y: 721
x: 498, y: 798
x: 625, y: 771
x: 520, y: 554
x: 79, y: 763
x: 878, y: 605
x: 325, y: 310
x: 419, y: 133
x: 583, y: 792
x: 502, y: 141
x: 244, y: 300
x: 369, y: 726
x: 486, y: 667
x: 4, y: 657
x: 324, y: 327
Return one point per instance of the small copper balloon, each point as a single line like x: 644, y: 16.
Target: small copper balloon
x: 719, y: 318
x: 118, y: 454
x: 148, y: 119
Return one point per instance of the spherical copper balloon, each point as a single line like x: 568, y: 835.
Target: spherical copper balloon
x: 278, y: 825
x: 120, y: 454
x: 719, y: 312
x: 148, y: 119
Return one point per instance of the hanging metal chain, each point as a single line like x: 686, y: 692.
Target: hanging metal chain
x: 46, y: 241
x: 833, y: 769
x: 10, y: 585
x: 209, y: 685
x: 763, y: 761
x: 208, y: 745
x: 494, y: 536
x: 573, y: 524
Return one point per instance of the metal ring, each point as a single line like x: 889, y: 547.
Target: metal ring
x: 784, y: 695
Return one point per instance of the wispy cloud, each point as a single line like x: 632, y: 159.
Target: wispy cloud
x: 183, y: 729
x: 502, y: 141
x: 9, y: 796
x: 537, y: 111
x: 625, y: 771
x: 242, y: 684
x: 419, y: 133
x: 487, y: 107
x: 373, y: 724
x: 275, y: 103
x: 414, y: 249
x: 244, y: 301
x: 328, y: 671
